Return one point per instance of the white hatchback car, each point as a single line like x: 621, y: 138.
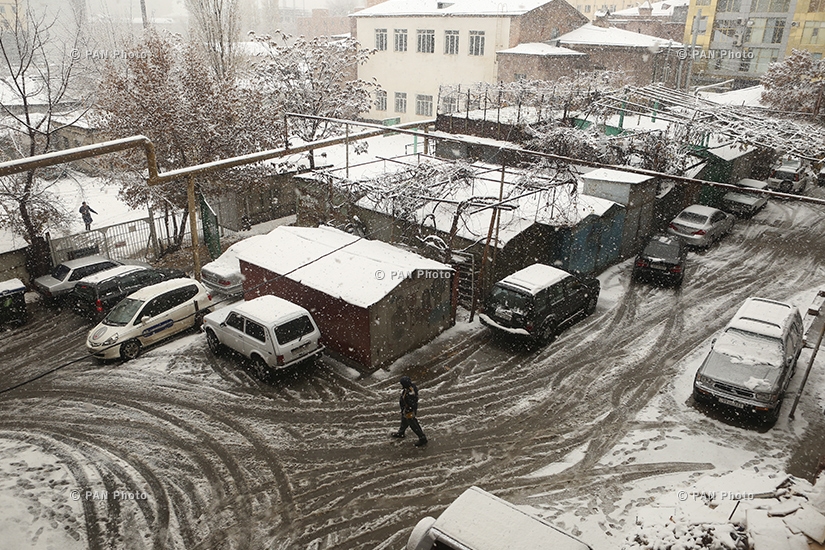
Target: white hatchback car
x: 271, y: 331
x: 148, y: 316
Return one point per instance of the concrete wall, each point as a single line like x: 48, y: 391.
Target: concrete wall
x: 13, y: 266
x: 536, y: 67
x: 545, y: 23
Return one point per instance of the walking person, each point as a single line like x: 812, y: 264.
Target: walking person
x: 409, y: 408
x: 86, y: 214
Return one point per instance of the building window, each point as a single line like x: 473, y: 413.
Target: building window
x: 476, y: 42
x: 424, y: 105
x: 400, y: 37
x: 587, y: 8
x: 703, y: 2
x: 728, y: 6
x: 381, y: 40
x: 724, y: 30
x: 816, y: 5
x: 813, y: 32
x: 770, y: 6
x: 520, y: 76
x: 449, y: 104
x: 426, y: 41
x: 774, y: 30
x: 400, y: 102
x: 451, y: 42
x: 380, y: 100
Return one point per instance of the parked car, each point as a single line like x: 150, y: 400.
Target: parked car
x: 270, y: 331
x: 478, y: 520
x: 223, y: 275
x: 700, y: 226
x: 13, y: 302
x: 745, y: 205
x: 791, y: 176
x: 538, y: 301
x: 149, y: 316
x: 752, y: 361
x: 95, y: 295
x: 64, y: 276
x: 662, y: 260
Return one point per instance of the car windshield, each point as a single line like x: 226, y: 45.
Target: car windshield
x: 693, y: 217
x: 657, y: 249
x: 748, y: 348
x: 60, y: 272
x: 123, y: 312
x: 510, y: 299
x: 784, y: 175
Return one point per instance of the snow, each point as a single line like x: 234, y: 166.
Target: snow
x: 540, y: 48
x: 593, y: 35
x: 660, y: 9
x: 536, y: 277
x: 618, y: 176
x: 751, y: 97
x: 268, y: 309
x: 11, y: 286
x: 395, y: 8
x: 366, y: 271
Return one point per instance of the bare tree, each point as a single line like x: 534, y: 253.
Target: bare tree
x: 216, y: 29
x: 796, y: 83
x: 166, y: 91
x: 314, y: 77
x: 38, y: 103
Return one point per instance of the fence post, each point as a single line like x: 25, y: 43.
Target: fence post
x: 153, y: 235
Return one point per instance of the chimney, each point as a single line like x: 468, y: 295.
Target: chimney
x: 646, y: 10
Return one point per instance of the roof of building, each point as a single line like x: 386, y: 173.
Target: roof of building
x: 751, y: 97
x: 357, y: 270
x: 616, y: 176
x: 593, y: 35
x: 11, y: 286
x: 396, y: 8
x: 540, y: 48
x: 660, y: 9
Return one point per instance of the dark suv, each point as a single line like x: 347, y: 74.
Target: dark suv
x: 661, y: 261
x: 539, y: 301
x: 94, y: 296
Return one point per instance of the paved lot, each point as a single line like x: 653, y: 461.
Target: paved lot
x: 304, y: 460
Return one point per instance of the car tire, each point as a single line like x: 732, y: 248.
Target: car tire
x: 129, y: 350
x: 199, y: 318
x: 260, y: 367
x: 214, y: 342
x: 547, y: 333
x: 592, y: 302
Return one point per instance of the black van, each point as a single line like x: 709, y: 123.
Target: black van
x: 95, y: 295
x: 538, y: 301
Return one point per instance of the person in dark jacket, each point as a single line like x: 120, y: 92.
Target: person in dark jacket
x: 86, y: 214
x: 409, y: 409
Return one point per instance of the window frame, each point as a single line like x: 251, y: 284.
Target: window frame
x: 476, y: 46
x: 452, y: 42
x: 425, y: 40
x: 381, y: 40
x: 400, y: 40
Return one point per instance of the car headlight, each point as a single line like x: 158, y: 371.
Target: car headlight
x: 111, y: 340
x: 770, y: 397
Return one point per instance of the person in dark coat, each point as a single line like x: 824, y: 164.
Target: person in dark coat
x: 409, y: 409
x: 86, y: 214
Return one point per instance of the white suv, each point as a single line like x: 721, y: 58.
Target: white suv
x: 270, y: 331
x: 751, y: 363
x: 148, y: 316
x: 792, y: 176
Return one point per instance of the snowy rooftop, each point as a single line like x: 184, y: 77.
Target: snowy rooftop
x: 540, y: 48
x: 454, y: 7
x: 660, y: 9
x: 336, y: 263
x: 557, y: 206
x: 11, y: 286
x: 593, y: 35
x: 751, y: 97
x: 619, y: 176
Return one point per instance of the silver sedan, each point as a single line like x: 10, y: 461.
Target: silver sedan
x: 701, y: 225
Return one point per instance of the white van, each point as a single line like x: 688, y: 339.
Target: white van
x: 270, y: 331
x: 477, y: 520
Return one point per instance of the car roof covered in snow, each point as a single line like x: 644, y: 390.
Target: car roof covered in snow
x: 535, y: 278
x: 268, y: 309
x: 763, y: 316
x: 87, y: 260
x: 754, y: 184
x: 701, y: 210
x: 482, y: 521
x: 111, y: 272
x: 149, y: 292
x: 357, y: 270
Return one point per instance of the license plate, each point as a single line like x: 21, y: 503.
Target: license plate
x: 732, y: 403
x: 505, y: 314
x: 659, y: 267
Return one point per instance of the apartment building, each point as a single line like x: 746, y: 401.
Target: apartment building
x: 738, y: 39
x: 421, y: 44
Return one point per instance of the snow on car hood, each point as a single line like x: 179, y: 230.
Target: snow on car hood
x: 755, y: 377
x: 742, y: 198
x: 47, y: 281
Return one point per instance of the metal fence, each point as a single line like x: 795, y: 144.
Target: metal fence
x: 140, y: 239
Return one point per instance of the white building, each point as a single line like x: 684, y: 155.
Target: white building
x: 421, y: 44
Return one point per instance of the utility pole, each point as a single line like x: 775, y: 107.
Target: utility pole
x: 143, y: 14
x: 694, y: 35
